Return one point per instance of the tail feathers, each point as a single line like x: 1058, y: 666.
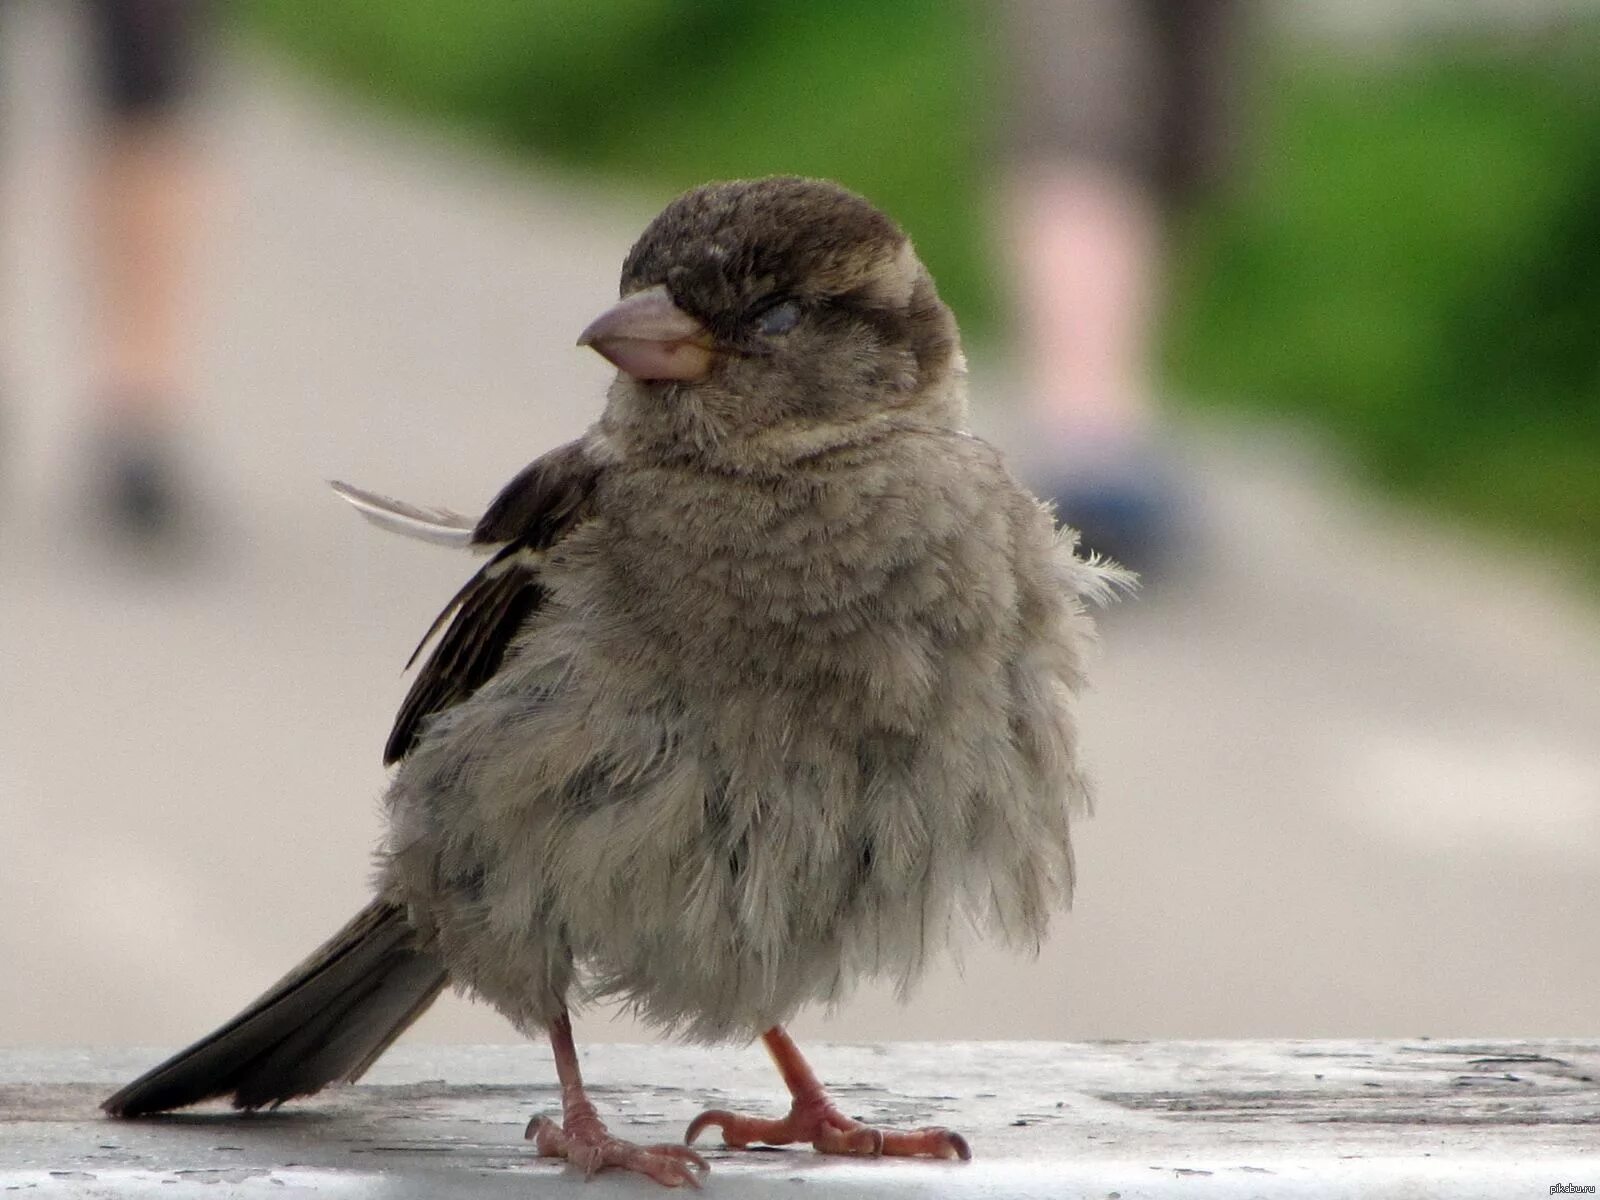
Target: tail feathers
x: 328, y: 1020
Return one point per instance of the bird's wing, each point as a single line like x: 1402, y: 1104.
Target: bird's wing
x: 533, y: 512
x: 438, y: 525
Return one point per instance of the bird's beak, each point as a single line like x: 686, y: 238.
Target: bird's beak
x: 650, y: 337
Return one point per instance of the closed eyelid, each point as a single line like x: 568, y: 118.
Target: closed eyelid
x: 779, y: 317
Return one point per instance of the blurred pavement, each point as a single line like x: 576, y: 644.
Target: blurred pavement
x: 1350, y: 773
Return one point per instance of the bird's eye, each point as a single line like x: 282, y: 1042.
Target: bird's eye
x: 780, y: 318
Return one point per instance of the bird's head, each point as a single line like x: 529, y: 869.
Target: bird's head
x: 758, y: 306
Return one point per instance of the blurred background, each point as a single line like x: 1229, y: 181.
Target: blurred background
x: 1295, y: 307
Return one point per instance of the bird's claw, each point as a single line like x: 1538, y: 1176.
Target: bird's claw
x: 830, y: 1132
x: 589, y: 1146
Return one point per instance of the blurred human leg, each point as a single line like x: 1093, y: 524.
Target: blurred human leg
x: 146, y: 201
x: 1088, y: 242
x: 1116, y: 119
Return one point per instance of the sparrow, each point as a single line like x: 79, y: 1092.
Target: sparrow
x: 764, y: 689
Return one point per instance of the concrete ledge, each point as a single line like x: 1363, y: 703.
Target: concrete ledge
x: 1045, y: 1119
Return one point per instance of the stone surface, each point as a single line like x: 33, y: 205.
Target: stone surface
x: 1045, y: 1119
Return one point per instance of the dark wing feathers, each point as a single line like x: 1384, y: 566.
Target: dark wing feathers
x: 539, y: 504
x: 531, y: 514
x: 488, y: 612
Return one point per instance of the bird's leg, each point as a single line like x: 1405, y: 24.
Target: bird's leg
x: 583, y: 1139
x: 814, y: 1118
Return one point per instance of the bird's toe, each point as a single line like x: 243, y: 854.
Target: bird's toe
x: 590, y: 1148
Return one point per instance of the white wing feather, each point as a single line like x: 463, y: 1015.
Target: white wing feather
x: 440, y: 526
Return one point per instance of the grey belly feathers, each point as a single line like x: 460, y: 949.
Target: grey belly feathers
x: 719, y: 791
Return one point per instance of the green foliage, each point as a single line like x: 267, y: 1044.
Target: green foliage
x: 1415, y: 263
x: 1411, y: 256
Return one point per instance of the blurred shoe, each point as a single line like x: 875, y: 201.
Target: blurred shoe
x: 141, y: 495
x: 1124, y: 506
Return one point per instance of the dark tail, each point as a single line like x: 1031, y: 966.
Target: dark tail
x: 327, y: 1020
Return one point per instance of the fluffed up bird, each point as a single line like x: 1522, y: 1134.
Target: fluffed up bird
x: 764, y: 690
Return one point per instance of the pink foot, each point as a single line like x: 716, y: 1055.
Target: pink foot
x: 585, y: 1142
x: 817, y: 1121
